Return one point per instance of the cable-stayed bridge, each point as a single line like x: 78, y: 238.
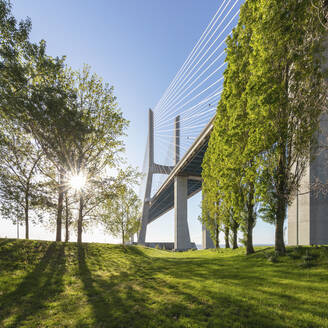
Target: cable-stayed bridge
x: 180, y: 125
x: 179, y: 131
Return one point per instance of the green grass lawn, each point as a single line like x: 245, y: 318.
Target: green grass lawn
x: 45, y: 284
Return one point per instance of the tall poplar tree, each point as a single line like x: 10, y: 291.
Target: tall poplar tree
x: 286, y: 96
x: 273, y: 99
x: 230, y: 162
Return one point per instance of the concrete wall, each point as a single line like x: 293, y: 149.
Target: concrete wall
x: 319, y: 203
x: 308, y: 215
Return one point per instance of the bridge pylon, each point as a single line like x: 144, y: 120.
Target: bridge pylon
x: 181, y: 229
x: 153, y: 168
x: 146, y: 201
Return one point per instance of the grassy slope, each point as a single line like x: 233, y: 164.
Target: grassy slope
x: 45, y: 284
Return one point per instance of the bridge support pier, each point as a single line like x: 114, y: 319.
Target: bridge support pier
x: 207, y: 241
x: 181, y: 229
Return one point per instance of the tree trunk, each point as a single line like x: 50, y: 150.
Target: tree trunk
x: 249, y: 239
x: 279, y: 233
x: 217, y: 236
x: 250, y: 221
x: 226, y: 236
x: 26, y: 210
x: 234, y: 236
x: 80, y: 220
x: 60, y: 206
x: 66, y: 218
x: 281, y: 183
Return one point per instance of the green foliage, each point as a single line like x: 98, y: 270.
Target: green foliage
x: 13, y: 45
x: 70, y: 123
x: 104, y: 124
x: 274, y: 95
x: 97, y: 148
x: 35, y: 98
x: 121, y: 214
x: 230, y: 166
x: 20, y: 189
x: 287, y: 95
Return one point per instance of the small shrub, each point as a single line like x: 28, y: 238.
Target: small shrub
x: 273, y: 258
x: 299, y: 250
x: 294, y: 256
x: 324, y: 252
x: 308, y: 260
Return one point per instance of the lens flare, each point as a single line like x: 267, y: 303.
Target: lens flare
x: 78, y: 181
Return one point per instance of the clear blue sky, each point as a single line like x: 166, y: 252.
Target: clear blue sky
x: 137, y: 46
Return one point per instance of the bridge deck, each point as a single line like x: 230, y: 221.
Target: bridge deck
x: 190, y: 165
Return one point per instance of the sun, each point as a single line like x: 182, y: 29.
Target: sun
x: 78, y: 181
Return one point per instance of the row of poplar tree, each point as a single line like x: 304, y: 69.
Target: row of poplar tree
x: 57, y: 123
x: 264, y: 135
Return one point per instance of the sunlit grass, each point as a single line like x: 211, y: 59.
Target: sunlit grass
x: 45, y: 284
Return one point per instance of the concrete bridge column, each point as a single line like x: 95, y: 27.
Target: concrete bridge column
x: 207, y: 241
x: 181, y: 229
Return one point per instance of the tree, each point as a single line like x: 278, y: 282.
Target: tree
x: 68, y: 216
x: 234, y: 224
x: 35, y: 95
x: 286, y: 96
x: 121, y: 216
x: 210, y: 211
x: 274, y: 95
x: 55, y: 123
x: 98, y: 190
x: 97, y: 148
x: 19, y: 187
x: 13, y: 45
x: 230, y: 162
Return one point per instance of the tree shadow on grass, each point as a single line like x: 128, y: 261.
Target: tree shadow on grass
x: 242, y: 304
x: 39, y: 286
x: 159, y: 292
x: 111, y: 306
